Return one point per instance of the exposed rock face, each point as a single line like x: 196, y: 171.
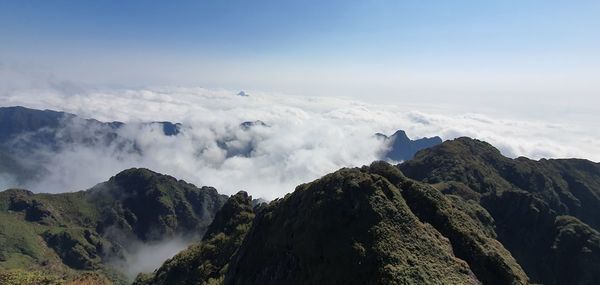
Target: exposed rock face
x: 402, y: 148
x: 536, y: 205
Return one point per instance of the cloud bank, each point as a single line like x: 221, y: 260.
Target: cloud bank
x: 147, y: 257
x: 303, y: 139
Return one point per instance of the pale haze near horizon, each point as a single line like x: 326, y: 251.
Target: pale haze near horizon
x: 519, y: 59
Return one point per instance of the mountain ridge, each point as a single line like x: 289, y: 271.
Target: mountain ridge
x: 534, y: 204
x: 457, y: 213
x: 84, y: 230
x: 473, y: 224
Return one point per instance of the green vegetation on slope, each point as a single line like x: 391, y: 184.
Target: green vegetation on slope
x: 529, y: 202
x: 77, y: 232
x: 356, y: 226
x: 207, y: 262
x: 468, y: 227
x: 26, y: 277
x: 151, y: 206
x: 349, y: 227
x: 459, y: 213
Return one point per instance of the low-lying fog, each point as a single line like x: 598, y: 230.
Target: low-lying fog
x: 303, y: 139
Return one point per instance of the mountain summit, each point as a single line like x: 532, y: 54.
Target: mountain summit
x: 88, y: 230
x: 458, y: 213
x: 402, y: 148
x: 546, y: 212
x: 368, y: 225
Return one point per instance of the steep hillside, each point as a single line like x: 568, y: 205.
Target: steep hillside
x: 83, y: 230
x: 356, y: 226
x: 458, y: 213
x: 547, y: 212
x: 207, y: 262
x: 370, y: 226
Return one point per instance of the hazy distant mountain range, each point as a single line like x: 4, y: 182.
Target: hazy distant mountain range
x: 26, y: 134
x: 15, y: 121
x: 402, y: 148
x: 24, y: 131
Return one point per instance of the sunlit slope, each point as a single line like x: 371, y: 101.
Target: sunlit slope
x: 84, y: 230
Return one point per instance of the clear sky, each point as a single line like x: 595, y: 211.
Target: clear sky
x: 509, y: 55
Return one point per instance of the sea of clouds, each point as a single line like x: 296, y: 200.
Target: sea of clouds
x: 305, y: 137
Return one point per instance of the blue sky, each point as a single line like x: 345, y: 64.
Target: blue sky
x: 464, y: 53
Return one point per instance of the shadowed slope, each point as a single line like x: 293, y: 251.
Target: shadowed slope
x: 207, y: 261
x: 355, y: 226
x: 83, y: 230
x: 526, y: 198
x: 349, y: 227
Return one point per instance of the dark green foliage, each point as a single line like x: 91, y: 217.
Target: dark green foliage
x: 207, y: 261
x: 82, y: 230
x: 35, y: 210
x: 459, y: 213
x: 78, y: 248
x: 468, y: 227
x: 151, y: 206
x: 472, y: 241
x: 356, y: 226
x: 349, y: 227
x: 526, y: 199
x: 21, y: 277
x: 577, y: 246
x: 38, y: 277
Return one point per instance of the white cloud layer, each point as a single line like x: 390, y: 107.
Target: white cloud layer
x: 306, y: 137
x: 147, y: 257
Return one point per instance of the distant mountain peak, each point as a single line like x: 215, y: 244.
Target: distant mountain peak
x: 400, y: 134
x: 169, y: 129
x: 465, y: 146
x: 249, y: 124
x: 402, y: 148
